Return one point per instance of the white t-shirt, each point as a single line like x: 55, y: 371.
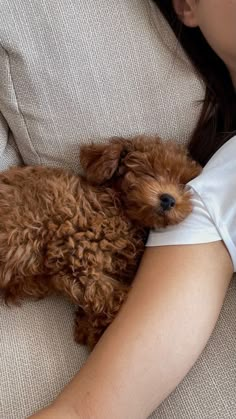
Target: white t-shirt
x: 214, y: 206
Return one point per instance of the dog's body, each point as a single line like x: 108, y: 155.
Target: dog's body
x: 61, y: 233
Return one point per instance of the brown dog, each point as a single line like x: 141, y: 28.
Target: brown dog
x: 83, y: 236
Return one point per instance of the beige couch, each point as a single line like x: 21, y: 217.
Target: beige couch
x: 70, y: 72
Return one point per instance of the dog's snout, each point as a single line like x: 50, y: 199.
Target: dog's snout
x: 167, y: 202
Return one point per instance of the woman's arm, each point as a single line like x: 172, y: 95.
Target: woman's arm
x: 156, y: 338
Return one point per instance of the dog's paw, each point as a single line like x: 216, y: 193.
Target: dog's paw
x: 9, y: 298
x: 85, y: 332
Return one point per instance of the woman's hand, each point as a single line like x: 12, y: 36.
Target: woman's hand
x: 156, y: 338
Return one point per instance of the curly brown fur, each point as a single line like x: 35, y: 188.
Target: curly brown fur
x: 83, y: 236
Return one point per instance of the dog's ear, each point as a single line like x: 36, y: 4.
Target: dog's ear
x: 100, y: 161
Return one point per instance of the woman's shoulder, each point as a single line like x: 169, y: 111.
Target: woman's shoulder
x: 218, y: 177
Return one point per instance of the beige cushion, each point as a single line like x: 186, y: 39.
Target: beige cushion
x: 74, y: 71
x: 70, y: 72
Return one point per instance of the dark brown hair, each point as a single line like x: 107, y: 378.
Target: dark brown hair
x: 217, y: 122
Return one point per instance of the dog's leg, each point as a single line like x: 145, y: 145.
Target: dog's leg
x: 88, y: 329
x: 101, y: 303
x: 67, y: 285
x: 18, y: 288
x: 98, y: 298
x: 22, y: 271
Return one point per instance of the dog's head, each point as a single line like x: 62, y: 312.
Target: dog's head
x: 149, y: 174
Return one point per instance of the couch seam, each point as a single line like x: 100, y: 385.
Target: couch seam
x: 17, y: 103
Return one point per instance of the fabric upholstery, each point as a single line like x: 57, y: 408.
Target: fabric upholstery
x: 73, y: 72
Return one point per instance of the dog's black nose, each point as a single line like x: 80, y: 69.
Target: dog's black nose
x: 167, y: 202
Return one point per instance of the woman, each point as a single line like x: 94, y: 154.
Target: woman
x: 175, y: 299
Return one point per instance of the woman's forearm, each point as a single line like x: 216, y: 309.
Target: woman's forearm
x: 156, y: 338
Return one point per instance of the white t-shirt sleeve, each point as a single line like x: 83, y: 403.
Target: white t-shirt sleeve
x: 214, y: 206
